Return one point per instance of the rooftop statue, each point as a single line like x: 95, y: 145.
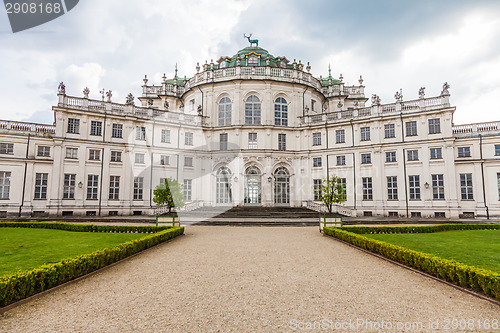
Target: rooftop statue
x: 253, y: 42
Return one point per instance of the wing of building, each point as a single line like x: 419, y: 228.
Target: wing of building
x: 251, y: 129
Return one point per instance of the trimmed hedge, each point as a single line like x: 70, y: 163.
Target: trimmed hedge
x: 420, y: 229
x: 466, y: 276
x: 83, y: 227
x: 21, y: 285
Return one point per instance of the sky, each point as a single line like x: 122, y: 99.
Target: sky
x: 393, y: 44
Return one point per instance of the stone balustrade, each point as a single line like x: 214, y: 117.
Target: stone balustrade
x: 17, y: 126
x: 470, y: 130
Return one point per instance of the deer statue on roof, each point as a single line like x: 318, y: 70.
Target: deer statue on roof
x: 253, y: 42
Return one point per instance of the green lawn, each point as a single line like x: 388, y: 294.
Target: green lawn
x: 28, y: 248
x: 480, y: 248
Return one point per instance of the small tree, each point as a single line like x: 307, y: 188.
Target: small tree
x: 332, y: 192
x: 169, y: 194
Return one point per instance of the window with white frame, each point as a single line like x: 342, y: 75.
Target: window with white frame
x: 252, y: 110
x: 280, y: 112
x: 71, y: 153
x: 434, y: 126
x: 366, y: 158
x: 341, y: 160
x: 317, y: 189
x: 138, y: 187
x: 140, y: 133
x: 436, y: 153
x: 316, y: 139
x: 7, y: 148
x: 114, y: 187
x: 96, y: 128
x: 414, y: 187
x: 223, y: 141
x: 253, y: 60
x: 412, y: 155
x: 317, y: 162
x: 367, y: 188
x: 225, y: 111
x: 139, y: 158
x: 165, y: 136
x: 187, y: 189
x: 252, y: 140
x: 466, y: 186
x: 41, y: 183
x: 164, y: 160
x: 343, y: 182
x: 188, y: 139
x: 281, y: 141
x: 463, y: 151
x: 497, y: 150
x: 498, y: 181
x: 117, y: 131
x: 43, y: 151
x: 392, y: 188
x: 411, y: 128
x: 390, y: 156
x: 94, y: 154
x: 389, y: 131
x: 437, y: 187
x: 340, y: 136
x: 365, y: 133
x: 188, y: 161
x: 73, y: 125
x: 116, y: 156
x: 69, y: 186
x: 92, y: 187
x: 4, y: 184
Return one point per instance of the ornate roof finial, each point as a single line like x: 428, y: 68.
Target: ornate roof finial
x: 329, y: 71
x: 360, y: 80
x: 398, y: 96
x: 62, y: 88
x: 109, y: 95
x: 308, y: 67
x: 102, y: 92
x: 130, y: 99
x: 421, y: 92
x: 175, y: 70
x: 145, y: 79
x: 164, y: 77
x: 197, y: 67
x: 86, y: 92
x: 445, y: 91
x: 341, y: 78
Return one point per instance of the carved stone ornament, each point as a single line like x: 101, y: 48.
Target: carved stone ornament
x: 166, y: 105
x: 308, y: 67
x: 421, y: 92
x: 398, y: 96
x: 150, y: 102
x: 86, y: 92
x: 145, y: 79
x: 109, y: 95
x: 197, y: 67
x: 360, y: 80
x: 445, y: 91
x: 325, y: 107
x: 340, y: 105
x: 268, y: 60
x: 200, y: 110
x: 62, y: 88
x: 356, y: 103
x: 130, y: 99
x: 375, y: 99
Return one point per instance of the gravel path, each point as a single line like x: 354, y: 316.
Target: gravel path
x: 250, y: 279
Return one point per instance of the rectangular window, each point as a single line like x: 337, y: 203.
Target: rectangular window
x: 139, y: 158
x: 164, y: 160
x: 317, y: 162
x: 96, y: 128
x: 114, y: 187
x: 341, y: 160
x: 191, y: 104
x: 41, y: 182
x: 188, y: 139
x: 392, y: 188
x: 390, y: 156
x: 69, y: 186
x: 366, y: 158
x: 365, y: 133
x: 6, y: 148
x: 71, y: 153
x: 138, y: 187
x: 313, y: 105
x: 497, y: 150
x: 92, y: 187
x: 117, y: 131
x: 414, y: 187
x: 343, y: 182
x: 140, y: 133
x: 463, y: 151
x: 316, y: 139
x: 466, y: 186
x: 367, y: 188
x: 436, y: 153
x: 412, y: 155
x: 43, y: 151
x: 340, y: 136
x: 390, y: 131
x: 252, y: 140
x: 73, y: 125
x: 498, y: 181
x: 188, y: 161
x: 317, y: 189
x: 116, y: 156
x: 434, y: 126
x: 5, y: 184
x: 165, y: 136
x: 187, y: 189
x: 94, y: 155
x: 281, y: 141
x: 223, y: 141
x: 411, y: 128
x: 438, y: 187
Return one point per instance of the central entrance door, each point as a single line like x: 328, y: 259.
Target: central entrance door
x: 223, y: 186
x: 253, y: 186
x: 281, y: 187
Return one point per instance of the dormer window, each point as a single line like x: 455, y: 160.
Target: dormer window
x: 222, y: 64
x: 283, y: 64
x: 253, y: 61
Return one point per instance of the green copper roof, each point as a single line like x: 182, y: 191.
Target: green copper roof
x: 262, y: 56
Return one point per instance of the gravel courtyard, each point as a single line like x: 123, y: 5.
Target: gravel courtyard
x: 250, y: 279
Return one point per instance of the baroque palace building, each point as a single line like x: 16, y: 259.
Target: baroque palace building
x: 251, y: 129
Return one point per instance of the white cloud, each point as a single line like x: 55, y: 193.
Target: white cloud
x: 88, y: 75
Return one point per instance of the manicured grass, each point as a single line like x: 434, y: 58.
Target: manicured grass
x: 27, y: 248
x: 480, y: 248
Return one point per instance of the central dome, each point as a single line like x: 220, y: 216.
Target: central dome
x: 253, y: 56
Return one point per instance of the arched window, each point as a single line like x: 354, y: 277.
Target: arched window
x: 253, y: 188
x: 225, y: 107
x: 222, y: 64
x: 252, y: 110
x: 280, y: 112
x: 223, y: 186
x: 253, y: 61
x: 281, y: 186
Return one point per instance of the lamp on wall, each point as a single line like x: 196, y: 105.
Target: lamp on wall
x: 426, y: 185
x: 80, y: 184
x: 269, y: 179
x: 235, y: 178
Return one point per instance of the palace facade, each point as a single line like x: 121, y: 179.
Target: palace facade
x: 251, y: 129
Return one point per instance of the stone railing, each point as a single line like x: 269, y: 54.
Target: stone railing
x: 319, y: 207
x: 17, y: 126
x: 469, y: 130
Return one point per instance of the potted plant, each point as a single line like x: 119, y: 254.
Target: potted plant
x: 169, y: 194
x: 332, y: 193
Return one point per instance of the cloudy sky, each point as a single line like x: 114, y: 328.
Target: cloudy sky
x: 394, y: 44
